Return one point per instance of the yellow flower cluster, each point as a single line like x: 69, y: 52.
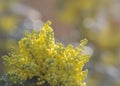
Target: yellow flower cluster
x: 8, y: 20
x: 50, y: 62
x: 8, y: 23
x: 76, y: 10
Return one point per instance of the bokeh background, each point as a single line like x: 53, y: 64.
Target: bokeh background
x: 72, y: 20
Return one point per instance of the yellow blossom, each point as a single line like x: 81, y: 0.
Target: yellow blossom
x: 52, y: 63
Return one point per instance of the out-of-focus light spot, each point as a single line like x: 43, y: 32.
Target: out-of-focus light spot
x: 33, y: 20
x: 88, y: 50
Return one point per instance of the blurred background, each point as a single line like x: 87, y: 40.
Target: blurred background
x: 72, y: 20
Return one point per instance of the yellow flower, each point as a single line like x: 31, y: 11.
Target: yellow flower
x: 51, y: 62
x: 8, y: 23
